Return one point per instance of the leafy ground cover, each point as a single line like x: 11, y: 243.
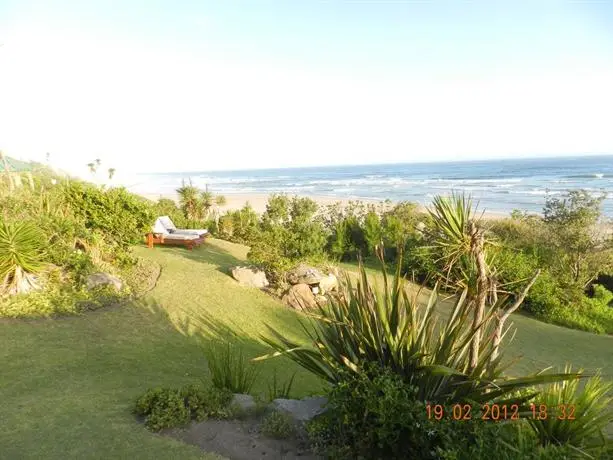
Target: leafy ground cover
x: 68, y: 385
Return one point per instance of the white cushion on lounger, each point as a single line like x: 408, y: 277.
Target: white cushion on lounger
x: 158, y: 227
x: 167, y: 222
x: 189, y: 231
x: 182, y: 237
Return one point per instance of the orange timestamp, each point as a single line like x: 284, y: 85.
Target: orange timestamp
x: 500, y: 412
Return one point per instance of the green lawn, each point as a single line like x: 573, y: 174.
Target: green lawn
x: 67, y: 385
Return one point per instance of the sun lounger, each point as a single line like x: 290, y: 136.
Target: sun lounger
x: 161, y: 235
x: 189, y: 241
x: 170, y: 227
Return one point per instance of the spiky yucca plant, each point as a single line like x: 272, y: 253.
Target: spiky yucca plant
x: 21, y: 256
x: 390, y: 328
x: 578, y: 415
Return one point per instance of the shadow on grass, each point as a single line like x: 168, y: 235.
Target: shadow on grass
x: 201, y: 333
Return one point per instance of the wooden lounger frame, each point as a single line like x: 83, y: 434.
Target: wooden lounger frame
x: 158, y: 238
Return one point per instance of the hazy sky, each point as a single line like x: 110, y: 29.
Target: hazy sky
x: 230, y: 85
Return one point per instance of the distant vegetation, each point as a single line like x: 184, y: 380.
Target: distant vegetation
x: 390, y: 365
x: 569, y: 246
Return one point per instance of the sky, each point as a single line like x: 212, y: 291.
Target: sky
x: 180, y: 86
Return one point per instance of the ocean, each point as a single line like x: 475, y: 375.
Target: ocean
x: 498, y: 185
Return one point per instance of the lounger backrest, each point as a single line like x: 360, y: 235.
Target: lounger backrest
x: 167, y: 223
x: 158, y: 227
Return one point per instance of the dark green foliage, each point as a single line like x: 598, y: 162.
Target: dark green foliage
x: 240, y: 226
x: 381, y: 417
x: 230, y: 370
x: 205, y: 402
x: 122, y: 216
x: 162, y: 408
x: 289, y: 231
x: 277, y: 425
x: 168, y: 408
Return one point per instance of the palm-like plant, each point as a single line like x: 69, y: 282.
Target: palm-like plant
x: 460, y: 238
x: 390, y: 328
x: 189, y: 200
x: 589, y: 409
x: 111, y: 172
x: 206, y: 202
x: 21, y: 256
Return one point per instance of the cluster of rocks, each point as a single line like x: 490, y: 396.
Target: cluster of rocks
x: 298, y: 410
x: 103, y: 279
x: 308, y: 285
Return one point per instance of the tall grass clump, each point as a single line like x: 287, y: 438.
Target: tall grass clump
x: 230, y: 369
x: 580, y: 413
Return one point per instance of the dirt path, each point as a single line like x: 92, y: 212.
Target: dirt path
x: 241, y: 440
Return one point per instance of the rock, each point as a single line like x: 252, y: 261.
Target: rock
x: 304, y: 274
x: 300, y: 297
x: 103, y: 279
x: 321, y: 300
x: 328, y: 283
x: 245, y: 403
x: 301, y: 410
x: 249, y: 277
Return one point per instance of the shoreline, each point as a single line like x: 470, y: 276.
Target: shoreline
x: 258, y: 202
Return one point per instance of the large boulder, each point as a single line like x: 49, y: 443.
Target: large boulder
x: 301, y: 410
x: 304, y: 274
x: 300, y: 297
x: 328, y: 283
x: 247, y: 276
x: 103, y: 279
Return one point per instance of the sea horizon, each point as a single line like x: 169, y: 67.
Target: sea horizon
x: 499, y: 186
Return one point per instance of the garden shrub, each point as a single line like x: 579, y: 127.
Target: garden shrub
x: 381, y: 417
x: 205, y: 402
x: 288, y: 232
x: 162, y: 408
x: 278, y: 425
x: 168, y: 408
x: 119, y: 214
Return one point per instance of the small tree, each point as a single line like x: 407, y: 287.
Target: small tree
x: 461, y: 240
x: 580, y: 244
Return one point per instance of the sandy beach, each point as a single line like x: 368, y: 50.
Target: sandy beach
x: 258, y: 202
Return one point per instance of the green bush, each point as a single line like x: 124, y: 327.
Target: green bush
x: 277, y: 425
x: 118, y: 214
x: 207, y: 402
x: 168, y: 408
x: 162, y: 408
x: 381, y: 417
x: 289, y: 232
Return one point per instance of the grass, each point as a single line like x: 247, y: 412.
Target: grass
x: 68, y: 385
